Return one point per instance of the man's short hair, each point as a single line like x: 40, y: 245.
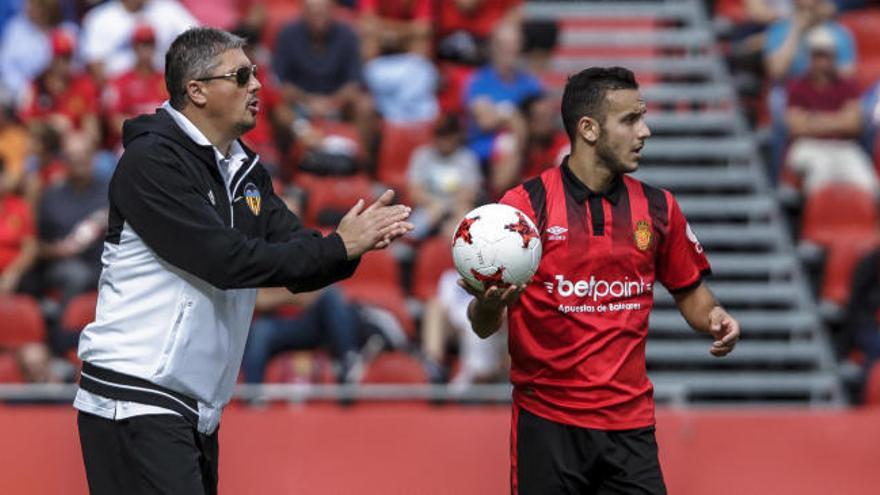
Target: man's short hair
x: 192, y: 55
x: 584, y: 94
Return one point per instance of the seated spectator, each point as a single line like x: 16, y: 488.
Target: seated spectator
x: 494, y: 92
x: 107, y: 29
x: 43, y: 166
x: 404, y: 86
x: 481, y: 360
x: 18, y: 241
x: 139, y: 90
x: 322, y: 319
x: 444, y: 179
x: 317, y: 61
x: 541, y: 39
x: 14, y: 141
x: 325, y: 147
x: 464, y: 26
x: 26, y: 48
x: 516, y: 159
x: 405, y: 23
x: 72, y: 220
x: 307, y: 321
x: 61, y: 96
x: 824, y: 118
x: 786, y: 55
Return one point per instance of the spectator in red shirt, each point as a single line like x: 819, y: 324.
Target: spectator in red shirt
x: 402, y: 21
x: 516, y: 158
x: 61, y: 96
x: 464, y: 26
x: 824, y: 117
x: 139, y: 90
x: 18, y: 241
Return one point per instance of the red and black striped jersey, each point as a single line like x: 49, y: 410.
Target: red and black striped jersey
x: 577, y: 334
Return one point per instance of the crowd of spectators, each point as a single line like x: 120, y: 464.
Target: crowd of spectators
x: 810, y: 70
x: 439, y: 100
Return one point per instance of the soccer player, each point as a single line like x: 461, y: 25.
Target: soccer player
x: 583, y: 409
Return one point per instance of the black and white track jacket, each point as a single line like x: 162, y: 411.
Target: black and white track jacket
x: 181, y: 261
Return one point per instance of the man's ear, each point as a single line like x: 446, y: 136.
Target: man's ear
x: 588, y: 129
x: 196, y: 93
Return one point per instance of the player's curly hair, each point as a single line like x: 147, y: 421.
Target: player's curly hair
x: 584, y: 94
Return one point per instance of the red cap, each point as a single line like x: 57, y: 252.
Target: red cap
x: 143, y: 34
x: 62, y: 43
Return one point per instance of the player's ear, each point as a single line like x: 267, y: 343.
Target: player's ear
x: 588, y: 128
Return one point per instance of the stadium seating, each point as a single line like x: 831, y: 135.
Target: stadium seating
x: 80, y: 311
x: 377, y: 282
x: 22, y: 321
x: 329, y: 198
x: 395, y: 367
x: 398, y: 143
x: 433, y: 258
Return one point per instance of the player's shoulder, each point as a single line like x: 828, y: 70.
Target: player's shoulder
x: 650, y: 191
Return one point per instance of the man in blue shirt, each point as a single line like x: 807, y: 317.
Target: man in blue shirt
x: 496, y: 90
x: 317, y: 61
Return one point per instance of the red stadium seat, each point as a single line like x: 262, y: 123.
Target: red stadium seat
x: 863, y: 24
x: 299, y: 367
x: 839, y: 210
x: 333, y: 195
x: 841, y: 258
x: 872, y: 386
x: 434, y: 257
x: 395, y: 367
x: 80, y: 311
x: 22, y: 321
x: 398, y: 144
x: 10, y: 371
x: 377, y: 282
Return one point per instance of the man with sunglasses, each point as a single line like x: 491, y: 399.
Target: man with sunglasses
x: 194, y: 228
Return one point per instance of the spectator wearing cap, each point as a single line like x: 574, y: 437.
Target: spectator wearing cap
x: 107, y: 33
x: 62, y: 96
x: 824, y: 119
x: 26, y: 48
x: 139, y: 90
x: 786, y: 53
x: 444, y: 178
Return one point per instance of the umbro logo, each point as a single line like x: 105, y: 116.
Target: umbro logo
x: 556, y: 233
x: 549, y: 287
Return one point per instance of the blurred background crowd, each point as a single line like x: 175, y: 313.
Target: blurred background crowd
x: 447, y: 102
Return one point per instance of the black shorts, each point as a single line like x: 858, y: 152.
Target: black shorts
x: 552, y: 458
x: 157, y: 453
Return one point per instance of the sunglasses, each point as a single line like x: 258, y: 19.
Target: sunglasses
x: 242, y: 75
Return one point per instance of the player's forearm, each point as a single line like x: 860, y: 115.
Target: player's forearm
x: 485, y: 321
x: 695, y: 305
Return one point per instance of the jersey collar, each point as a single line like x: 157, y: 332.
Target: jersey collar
x: 580, y: 192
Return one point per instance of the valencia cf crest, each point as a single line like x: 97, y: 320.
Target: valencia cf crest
x: 643, y: 235
x: 252, y: 197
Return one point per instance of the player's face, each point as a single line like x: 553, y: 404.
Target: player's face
x: 231, y: 105
x: 624, y: 131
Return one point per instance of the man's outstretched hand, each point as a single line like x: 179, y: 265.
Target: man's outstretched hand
x: 374, y: 227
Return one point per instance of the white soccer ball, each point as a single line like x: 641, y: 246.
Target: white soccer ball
x: 496, y: 244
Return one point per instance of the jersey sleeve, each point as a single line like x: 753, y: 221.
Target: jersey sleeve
x: 519, y: 199
x: 682, y: 262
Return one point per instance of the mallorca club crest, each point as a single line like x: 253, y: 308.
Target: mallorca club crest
x: 643, y: 235
x: 252, y: 197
